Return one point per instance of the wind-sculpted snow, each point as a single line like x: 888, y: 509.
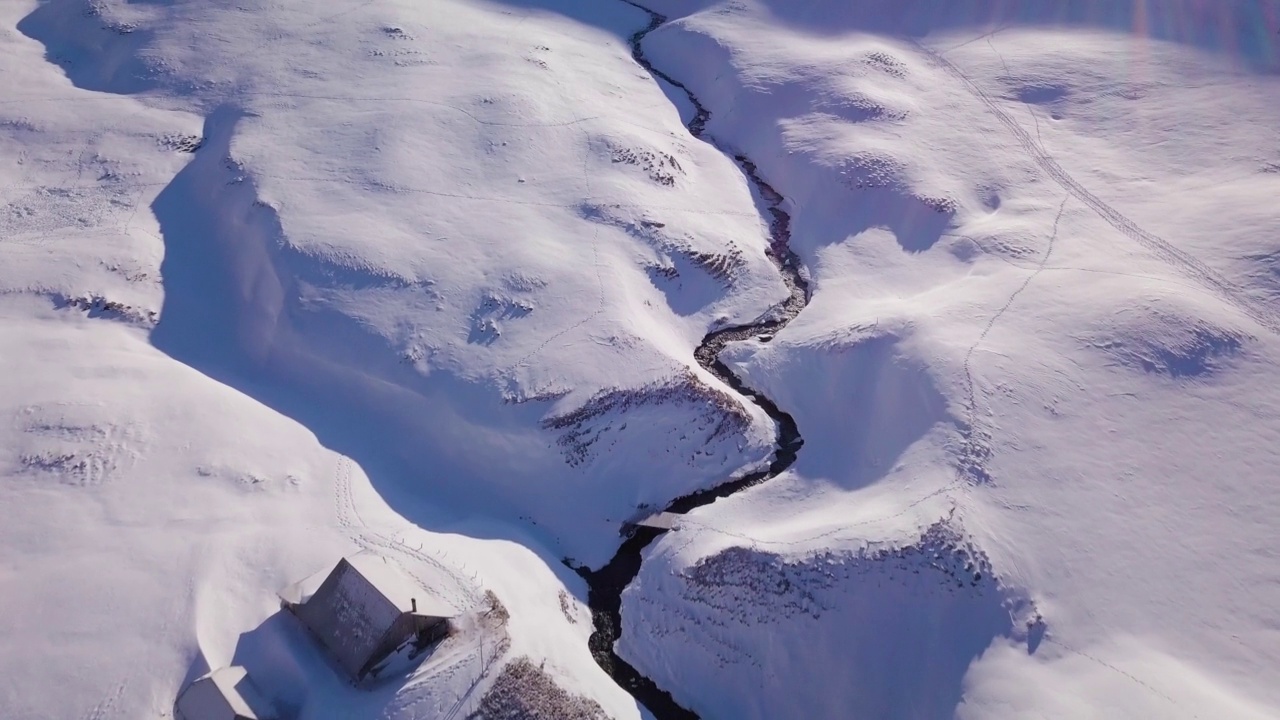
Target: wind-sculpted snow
x: 1164, y: 341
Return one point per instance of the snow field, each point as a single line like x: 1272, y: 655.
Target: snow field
x: 430, y: 285
x: 996, y: 348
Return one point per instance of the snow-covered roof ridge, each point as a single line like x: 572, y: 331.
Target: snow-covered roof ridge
x: 397, y: 586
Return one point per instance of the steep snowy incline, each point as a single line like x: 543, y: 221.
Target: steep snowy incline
x: 1036, y: 379
x: 487, y: 293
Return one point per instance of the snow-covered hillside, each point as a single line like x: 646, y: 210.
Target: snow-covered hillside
x: 1044, y: 317
x: 270, y: 263
x: 285, y: 280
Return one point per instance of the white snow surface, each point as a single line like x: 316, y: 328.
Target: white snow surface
x: 1000, y: 340
x: 430, y: 289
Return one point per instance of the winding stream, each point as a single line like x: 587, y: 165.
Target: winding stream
x: 607, y: 583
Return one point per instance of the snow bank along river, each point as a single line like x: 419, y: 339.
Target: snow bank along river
x: 607, y: 583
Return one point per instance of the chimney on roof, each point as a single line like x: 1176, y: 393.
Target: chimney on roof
x: 413, y: 602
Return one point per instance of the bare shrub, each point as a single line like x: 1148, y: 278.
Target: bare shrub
x: 524, y: 691
x: 497, y: 612
x: 566, y: 607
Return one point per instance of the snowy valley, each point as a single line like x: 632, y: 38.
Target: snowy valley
x: 948, y: 335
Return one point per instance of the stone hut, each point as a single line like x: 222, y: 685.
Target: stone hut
x: 365, y: 610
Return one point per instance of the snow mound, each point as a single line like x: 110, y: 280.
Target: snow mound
x: 714, y: 424
x: 898, y: 624
x: 885, y: 399
x: 1164, y: 338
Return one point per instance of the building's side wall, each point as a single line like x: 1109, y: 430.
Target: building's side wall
x: 430, y: 629
x: 406, y: 627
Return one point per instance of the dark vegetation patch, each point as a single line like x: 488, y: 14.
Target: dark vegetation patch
x: 494, y: 309
x: 180, y: 142
x: 661, y: 167
x: 886, y: 63
x: 96, y: 306
x: 722, y: 267
x: 566, y: 607
x: 97, y: 9
x: 756, y: 587
x: 69, y: 468
x: 525, y: 691
x: 718, y: 414
x: 496, y: 613
x: 674, y: 251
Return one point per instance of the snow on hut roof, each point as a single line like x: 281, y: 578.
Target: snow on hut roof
x: 224, y: 694
x: 393, y: 584
x: 390, y: 581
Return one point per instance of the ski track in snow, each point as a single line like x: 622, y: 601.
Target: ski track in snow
x: 1171, y: 255
x: 1030, y: 110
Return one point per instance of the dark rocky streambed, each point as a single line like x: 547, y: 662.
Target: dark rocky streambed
x: 607, y: 583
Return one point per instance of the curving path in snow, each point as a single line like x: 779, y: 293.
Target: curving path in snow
x: 1168, y: 253
x: 607, y: 583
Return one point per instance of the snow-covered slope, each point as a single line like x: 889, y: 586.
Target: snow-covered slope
x: 430, y: 271
x: 1043, y: 326
x: 272, y: 267
x: 284, y: 280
